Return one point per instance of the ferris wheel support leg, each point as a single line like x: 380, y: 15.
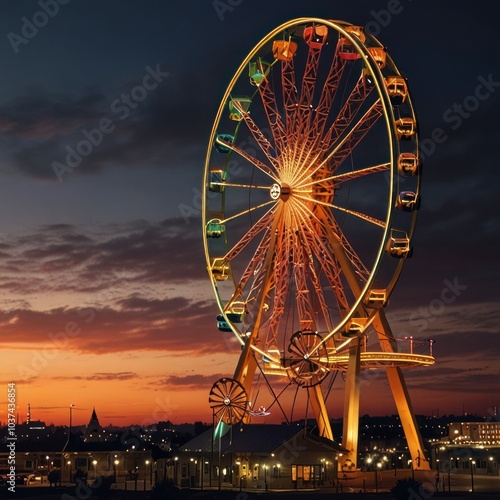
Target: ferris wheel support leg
x: 317, y: 401
x: 245, y: 372
x: 407, y: 417
x: 247, y: 364
x: 401, y: 395
x: 351, y: 406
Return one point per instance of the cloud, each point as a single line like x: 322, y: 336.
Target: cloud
x: 194, y: 380
x: 80, y: 259
x: 118, y: 376
x: 136, y: 286
x: 173, y: 324
x: 41, y: 129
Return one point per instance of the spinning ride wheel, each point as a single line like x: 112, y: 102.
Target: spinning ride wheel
x: 311, y: 186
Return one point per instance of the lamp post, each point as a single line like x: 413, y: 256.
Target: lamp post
x: 449, y: 473
x: 472, y: 463
x: 115, y: 463
x: 70, y: 419
x: 150, y: 470
x: 94, y: 462
x: 48, y: 468
x: 369, y: 461
x: 379, y: 466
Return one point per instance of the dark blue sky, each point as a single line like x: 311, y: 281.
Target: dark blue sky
x: 150, y: 76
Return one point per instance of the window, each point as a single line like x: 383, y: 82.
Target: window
x: 317, y: 472
x: 28, y: 464
x: 81, y: 463
x: 307, y: 472
x: 256, y: 471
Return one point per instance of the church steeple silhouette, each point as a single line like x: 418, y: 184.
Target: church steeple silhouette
x: 94, y: 429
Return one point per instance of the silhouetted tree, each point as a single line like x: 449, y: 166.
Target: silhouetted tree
x: 53, y: 477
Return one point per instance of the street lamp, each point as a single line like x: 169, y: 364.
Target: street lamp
x: 70, y: 418
x: 449, y: 474
x: 115, y: 463
x: 95, y: 467
x: 379, y: 466
x: 150, y: 471
x: 472, y: 463
x: 175, y: 469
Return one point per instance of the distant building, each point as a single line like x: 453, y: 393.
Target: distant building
x: 125, y: 456
x: 475, y: 433
x: 94, y: 430
x: 471, y: 447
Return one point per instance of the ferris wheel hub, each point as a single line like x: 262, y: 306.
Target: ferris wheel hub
x: 280, y: 192
x: 275, y: 191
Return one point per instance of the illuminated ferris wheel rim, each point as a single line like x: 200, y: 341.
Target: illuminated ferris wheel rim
x: 280, y: 191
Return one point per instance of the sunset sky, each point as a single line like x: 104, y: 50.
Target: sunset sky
x: 104, y: 298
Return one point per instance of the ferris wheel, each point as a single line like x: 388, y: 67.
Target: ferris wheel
x: 311, y: 192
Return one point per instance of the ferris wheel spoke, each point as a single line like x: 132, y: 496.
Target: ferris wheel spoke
x: 311, y: 250
x: 348, y: 176
x: 252, y: 269
x: 301, y: 108
x: 329, y: 266
x: 290, y: 96
x: 329, y: 231
x: 241, y: 186
x: 256, y: 229
x: 281, y: 288
x: 273, y: 117
x: 328, y: 94
x: 302, y: 298
x: 228, y: 400
x: 254, y: 161
x: 259, y: 137
x: 308, y: 359
x: 305, y: 105
x: 362, y: 172
x: 333, y: 228
x: 263, y: 276
x: 345, y: 147
x: 356, y: 99
x: 244, y: 212
x: 360, y: 215
x: 355, y: 135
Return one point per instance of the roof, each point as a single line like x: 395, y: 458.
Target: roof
x: 94, y: 415
x: 255, y: 438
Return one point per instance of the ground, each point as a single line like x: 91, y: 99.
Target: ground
x: 69, y: 494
